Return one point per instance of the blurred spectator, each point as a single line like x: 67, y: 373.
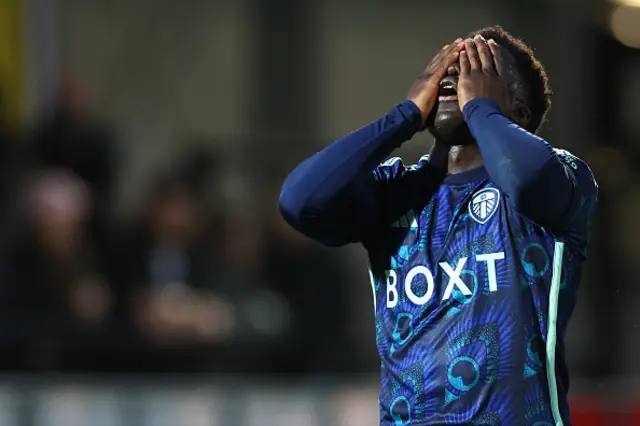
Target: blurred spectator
x: 297, y: 268
x: 75, y: 138
x: 200, y: 168
x: 164, y: 274
x: 57, y: 298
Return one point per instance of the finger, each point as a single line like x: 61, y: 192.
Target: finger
x: 465, y: 66
x: 457, y: 45
x: 498, y: 60
x: 486, y: 58
x: 439, y: 59
x: 472, y: 54
x: 451, y: 52
x: 451, y: 49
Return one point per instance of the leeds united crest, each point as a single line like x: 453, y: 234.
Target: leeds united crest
x: 484, y: 204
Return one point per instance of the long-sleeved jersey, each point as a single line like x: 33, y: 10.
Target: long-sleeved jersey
x: 474, y: 275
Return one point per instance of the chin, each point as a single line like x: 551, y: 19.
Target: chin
x: 450, y: 127
x: 447, y: 122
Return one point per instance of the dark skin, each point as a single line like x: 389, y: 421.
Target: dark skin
x: 460, y: 72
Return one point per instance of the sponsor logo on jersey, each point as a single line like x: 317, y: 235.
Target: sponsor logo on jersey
x: 484, y: 205
x: 420, y: 275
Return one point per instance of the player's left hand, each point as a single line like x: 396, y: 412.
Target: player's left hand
x: 482, y: 72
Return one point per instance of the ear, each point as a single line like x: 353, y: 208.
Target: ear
x: 521, y: 114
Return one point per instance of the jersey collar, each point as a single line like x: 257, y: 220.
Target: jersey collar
x: 473, y: 175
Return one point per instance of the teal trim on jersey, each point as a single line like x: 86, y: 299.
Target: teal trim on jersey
x: 373, y: 289
x: 552, y: 320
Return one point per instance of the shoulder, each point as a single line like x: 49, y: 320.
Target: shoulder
x: 584, y: 195
x: 568, y: 158
x: 574, y: 162
x: 577, y: 168
x: 395, y: 167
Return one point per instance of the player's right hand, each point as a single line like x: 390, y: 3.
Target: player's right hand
x: 424, y: 91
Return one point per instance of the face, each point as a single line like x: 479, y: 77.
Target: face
x: 447, y: 121
x: 176, y: 215
x: 60, y: 206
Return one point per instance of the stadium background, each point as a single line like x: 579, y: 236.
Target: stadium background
x: 131, y: 123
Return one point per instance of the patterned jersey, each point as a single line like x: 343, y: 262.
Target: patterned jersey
x: 472, y: 299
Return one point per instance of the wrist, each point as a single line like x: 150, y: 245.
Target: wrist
x: 412, y: 112
x: 473, y: 104
x: 419, y: 109
x: 424, y: 95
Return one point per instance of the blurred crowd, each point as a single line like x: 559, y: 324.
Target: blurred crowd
x: 183, y: 285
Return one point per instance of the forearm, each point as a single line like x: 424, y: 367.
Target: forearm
x: 522, y: 165
x: 331, y: 196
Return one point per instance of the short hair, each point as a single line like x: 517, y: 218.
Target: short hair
x: 531, y: 71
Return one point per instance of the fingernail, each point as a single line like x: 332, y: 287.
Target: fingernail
x: 491, y: 41
x: 458, y: 40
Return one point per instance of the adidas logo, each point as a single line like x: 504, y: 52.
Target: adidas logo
x: 407, y: 220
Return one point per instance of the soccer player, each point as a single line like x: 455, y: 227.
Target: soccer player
x: 475, y: 252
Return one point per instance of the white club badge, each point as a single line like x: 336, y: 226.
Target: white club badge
x: 484, y: 205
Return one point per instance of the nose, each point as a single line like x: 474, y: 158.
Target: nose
x: 453, y: 69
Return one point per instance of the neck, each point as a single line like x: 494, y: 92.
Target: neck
x: 463, y: 157
x: 454, y: 159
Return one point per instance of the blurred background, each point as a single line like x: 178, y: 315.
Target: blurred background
x: 146, y: 277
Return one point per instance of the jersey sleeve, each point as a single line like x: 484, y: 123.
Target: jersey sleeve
x: 332, y: 196
x: 584, y: 195
x: 549, y: 186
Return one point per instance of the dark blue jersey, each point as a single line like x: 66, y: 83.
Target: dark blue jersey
x: 474, y: 275
x: 472, y: 300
